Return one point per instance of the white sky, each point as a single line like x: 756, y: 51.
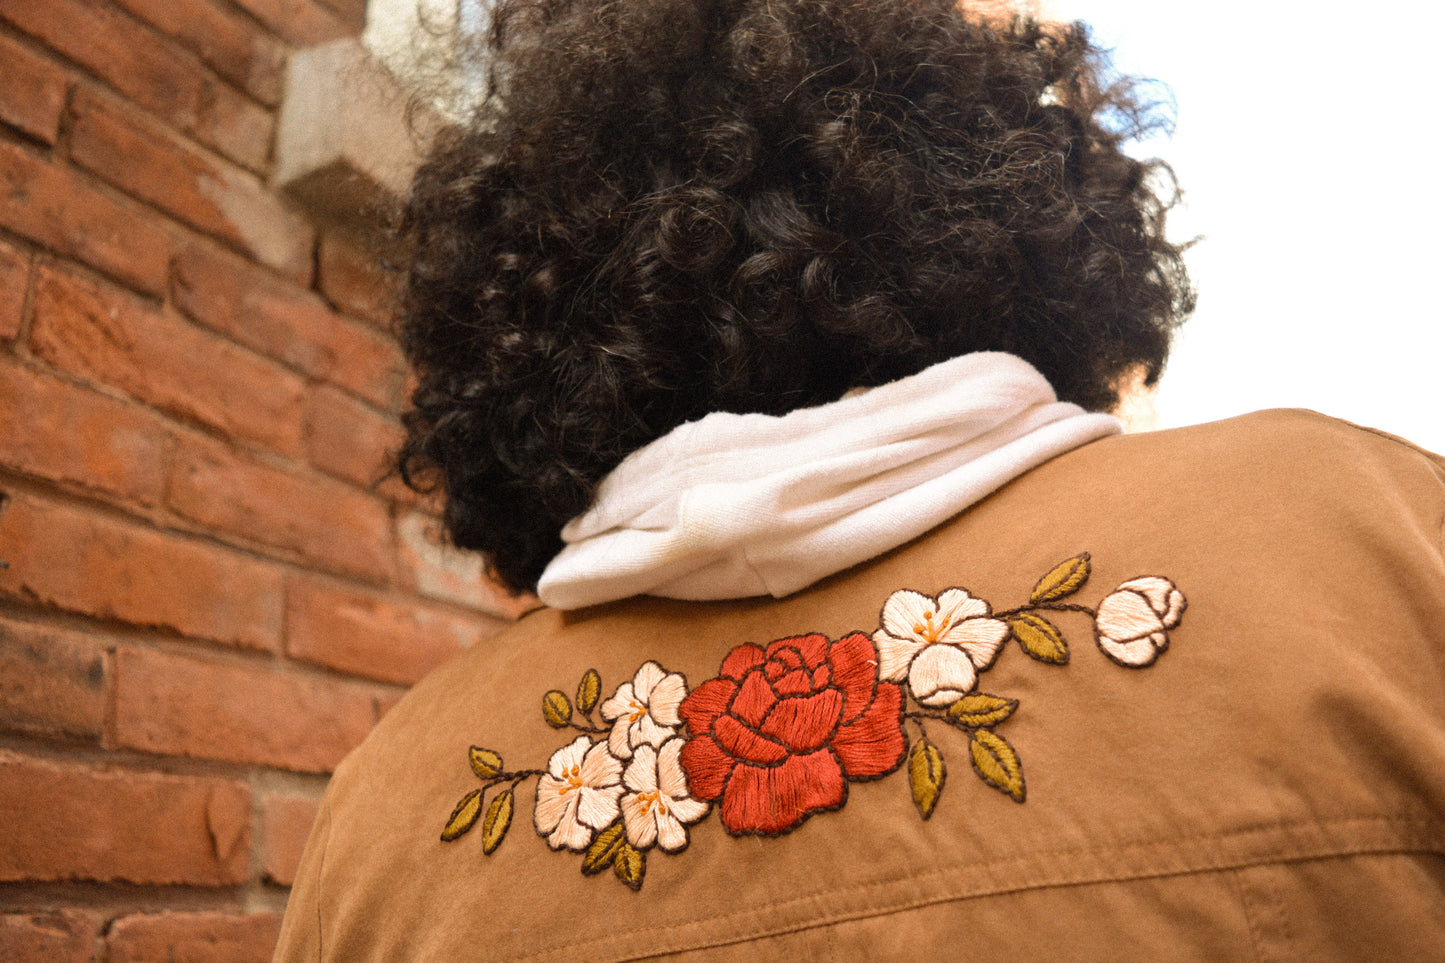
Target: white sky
x: 1309, y: 144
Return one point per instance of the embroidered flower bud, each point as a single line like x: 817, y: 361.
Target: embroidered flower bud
x: 1133, y: 622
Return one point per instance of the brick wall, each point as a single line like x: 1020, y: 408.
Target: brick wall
x: 206, y: 596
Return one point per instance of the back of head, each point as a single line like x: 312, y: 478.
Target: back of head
x: 668, y: 208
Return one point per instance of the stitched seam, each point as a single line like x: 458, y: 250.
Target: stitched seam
x: 1395, y: 439
x: 942, y: 900
x: 1432, y: 460
x: 997, y: 870
x: 1251, y: 924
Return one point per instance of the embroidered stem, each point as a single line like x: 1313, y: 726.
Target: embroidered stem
x: 1049, y: 606
x: 515, y: 778
x: 1067, y: 607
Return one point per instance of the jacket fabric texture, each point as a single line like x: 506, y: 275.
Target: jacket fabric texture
x: 1177, y: 695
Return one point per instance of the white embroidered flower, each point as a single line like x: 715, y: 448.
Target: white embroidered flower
x: 1133, y: 622
x: 643, y: 712
x: 578, y: 794
x: 938, y: 645
x: 656, y: 805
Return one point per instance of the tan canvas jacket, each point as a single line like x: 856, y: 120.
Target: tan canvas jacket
x: 1214, y: 729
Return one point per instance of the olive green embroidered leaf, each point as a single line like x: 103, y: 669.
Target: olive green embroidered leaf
x: 1039, y: 638
x: 630, y: 865
x: 603, y: 849
x: 589, y: 690
x: 556, y: 709
x: 1064, y: 579
x: 981, y: 709
x: 464, y: 816
x: 926, y: 774
x: 997, y: 764
x: 485, y: 763
x: 497, y: 822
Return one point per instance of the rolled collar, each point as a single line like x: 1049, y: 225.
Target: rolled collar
x: 732, y: 506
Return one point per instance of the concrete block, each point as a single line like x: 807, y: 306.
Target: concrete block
x: 345, y: 147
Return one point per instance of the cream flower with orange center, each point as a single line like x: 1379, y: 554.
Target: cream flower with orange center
x: 656, y: 805
x: 578, y: 794
x: 644, y: 711
x: 937, y: 644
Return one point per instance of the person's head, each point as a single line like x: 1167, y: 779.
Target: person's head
x: 666, y: 208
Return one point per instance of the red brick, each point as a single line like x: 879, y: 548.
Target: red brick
x: 321, y: 519
x: 32, y: 91
x: 301, y: 22
x: 71, y: 822
x: 225, y: 41
x: 51, y: 682
x: 115, y: 570
x: 441, y: 571
x: 251, y: 306
x: 271, y: 716
x: 98, y: 333
x: 236, y: 126
x: 348, y: 439
x: 209, y: 195
x: 239, y: 127
x: 370, y: 635
x: 158, y: 75
x: 285, y: 827
x: 67, y: 936
x: 368, y: 363
x: 194, y: 938
x: 69, y: 434
x: 125, y: 54
x: 286, y: 323
x: 63, y: 213
x: 14, y: 280
x: 353, y: 277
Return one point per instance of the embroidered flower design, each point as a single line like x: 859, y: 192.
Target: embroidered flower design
x: 643, y: 712
x: 578, y: 794
x: 656, y: 805
x: 783, y: 729
x: 1133, y: 622
x: 779, y: 733
x: 939, y: 645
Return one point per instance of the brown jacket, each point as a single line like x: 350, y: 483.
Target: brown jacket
x: 1272, y: 786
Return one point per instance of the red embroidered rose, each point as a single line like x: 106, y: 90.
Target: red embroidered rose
x: 781, y: 730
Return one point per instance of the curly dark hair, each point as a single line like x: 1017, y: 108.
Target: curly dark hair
x: 665, y: 208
